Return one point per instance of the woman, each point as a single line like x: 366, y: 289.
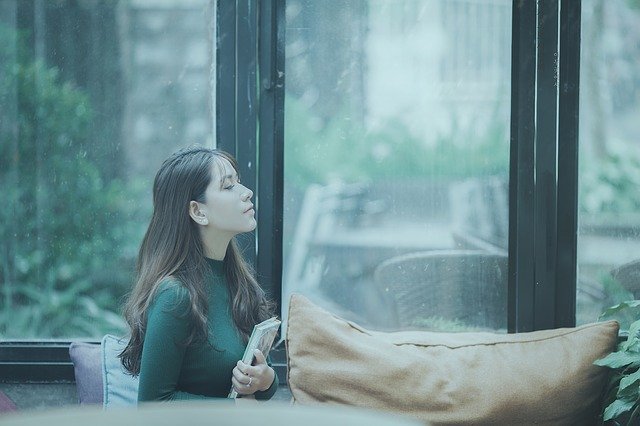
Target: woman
x: 195, y: 301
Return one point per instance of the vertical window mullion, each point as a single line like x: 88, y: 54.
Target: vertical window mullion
x: 545, y: 216
x: 570, y: 23
x: 521, y: 174
x: 226, y: 76
x: 247, y: 105
x: 271, y: 146
x: 246, y: 89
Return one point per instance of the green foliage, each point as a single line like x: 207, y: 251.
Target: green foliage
x: 616, y: 296
x: 342, y: 150
x: 63, y: 227
x: 610, y: 184
x: 622, y: 398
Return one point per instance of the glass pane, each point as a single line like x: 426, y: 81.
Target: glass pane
x: 609, y: 173
x: 93, y: 96
x: 396, y: 160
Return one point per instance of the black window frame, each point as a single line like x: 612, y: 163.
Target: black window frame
x: 543, y: 177
x: 543, y: 181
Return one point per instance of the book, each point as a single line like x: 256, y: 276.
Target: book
x: 262, y: 338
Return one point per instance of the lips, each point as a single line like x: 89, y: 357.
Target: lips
x: 249, y: 209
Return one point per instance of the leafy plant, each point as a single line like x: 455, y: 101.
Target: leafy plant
x: 610, y: 184
x: 343, y: 150
x: 622, y: 398
x: 65, y: 238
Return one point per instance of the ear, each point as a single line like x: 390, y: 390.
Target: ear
x: 198, y: 215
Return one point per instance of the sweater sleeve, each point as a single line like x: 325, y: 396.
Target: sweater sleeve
x: 163, y: 351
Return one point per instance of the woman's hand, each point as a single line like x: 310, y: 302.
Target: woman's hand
x: 248, y: 379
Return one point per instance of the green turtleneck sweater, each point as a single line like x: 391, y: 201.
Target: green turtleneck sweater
x: 170, y: 370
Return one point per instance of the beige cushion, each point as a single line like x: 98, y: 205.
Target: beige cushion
x: 543, y: 377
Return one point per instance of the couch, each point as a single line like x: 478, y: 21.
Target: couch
x: 543, y: 377
x: 198, y: 413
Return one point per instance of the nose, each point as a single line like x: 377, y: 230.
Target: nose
x: 247, y: 194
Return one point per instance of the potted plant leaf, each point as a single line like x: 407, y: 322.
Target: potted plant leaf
x: 622, y: 397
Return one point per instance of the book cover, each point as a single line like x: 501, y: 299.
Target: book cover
x: 261, y: 338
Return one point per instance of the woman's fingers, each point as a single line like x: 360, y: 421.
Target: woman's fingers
x: 243, y: 368
x: 243, y: 383
x: 247, y: 379
x: 260, y: 359
x: 242, y: 388
x: 240, y: 376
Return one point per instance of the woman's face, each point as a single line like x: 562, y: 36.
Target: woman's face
x: 228, y: 205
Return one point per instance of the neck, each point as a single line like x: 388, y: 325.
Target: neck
x: 215, y: 246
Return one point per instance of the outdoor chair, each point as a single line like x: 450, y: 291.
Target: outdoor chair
x: 459, y: 289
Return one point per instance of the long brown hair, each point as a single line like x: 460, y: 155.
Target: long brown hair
x: 172, y: 247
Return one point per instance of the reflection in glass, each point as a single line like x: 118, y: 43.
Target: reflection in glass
x: 93, y: 95
x: 609, y: 168
x: 396, y: 160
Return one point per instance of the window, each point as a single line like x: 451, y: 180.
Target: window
x: 390, y: 159
x: 609, y: 172
x: 94, y: 95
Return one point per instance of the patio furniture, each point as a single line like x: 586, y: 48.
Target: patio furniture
x: 467, y: 288
x: 629, y: 276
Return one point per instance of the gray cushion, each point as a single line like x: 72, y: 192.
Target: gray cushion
x: 120, y: 389
x: 86, y: 358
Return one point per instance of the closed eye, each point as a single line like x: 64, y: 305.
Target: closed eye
x: 229, y: 181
